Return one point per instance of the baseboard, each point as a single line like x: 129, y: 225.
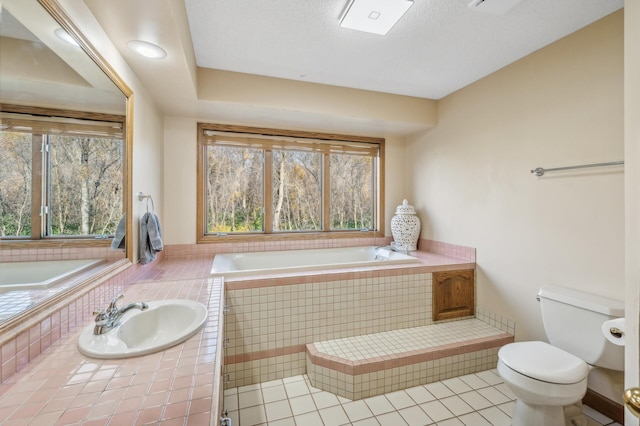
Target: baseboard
x: 604, y: 405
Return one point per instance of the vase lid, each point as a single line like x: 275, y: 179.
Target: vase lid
x: 405, y: 208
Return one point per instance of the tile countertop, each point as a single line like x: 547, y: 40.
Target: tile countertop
x: 175, y: 386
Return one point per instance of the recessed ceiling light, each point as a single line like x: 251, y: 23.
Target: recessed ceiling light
x: 374, y: 16
x: 146, y: 49
x: 66, y: 37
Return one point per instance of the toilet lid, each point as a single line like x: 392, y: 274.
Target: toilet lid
x: 541, y: 361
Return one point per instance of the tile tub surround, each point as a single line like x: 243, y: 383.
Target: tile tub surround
x: 271, y: 318
x: 184, y: 251
x: 175, y: 386
x: 364, y: 366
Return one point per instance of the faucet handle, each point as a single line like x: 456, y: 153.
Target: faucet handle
x: 113, y: 306
x: 98, y: 312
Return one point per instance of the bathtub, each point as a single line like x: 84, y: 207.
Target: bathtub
x: 40, y: 274
x: 286, y: 261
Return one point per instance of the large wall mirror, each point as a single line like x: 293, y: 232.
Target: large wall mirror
x: 66, y: 143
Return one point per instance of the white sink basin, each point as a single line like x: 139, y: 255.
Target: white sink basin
x: 166, y: 323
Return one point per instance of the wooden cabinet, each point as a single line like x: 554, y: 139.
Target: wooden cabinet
x: 453, y: 294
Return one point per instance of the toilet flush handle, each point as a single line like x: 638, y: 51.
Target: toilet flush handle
x: 616, y: 332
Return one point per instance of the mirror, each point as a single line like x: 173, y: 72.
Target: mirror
x: 42, y: 75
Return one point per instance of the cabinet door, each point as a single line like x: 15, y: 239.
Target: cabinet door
x: 453, y: 294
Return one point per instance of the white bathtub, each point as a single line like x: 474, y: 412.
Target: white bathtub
x: 40, y: 274
x: 286, y: 261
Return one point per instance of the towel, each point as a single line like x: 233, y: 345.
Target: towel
x: 150, y: 238
x: 118, y: 239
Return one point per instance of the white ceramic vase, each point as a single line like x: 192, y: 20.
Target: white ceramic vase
x: 405, y: 227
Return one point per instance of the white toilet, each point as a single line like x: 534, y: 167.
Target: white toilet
x: 550, y: 380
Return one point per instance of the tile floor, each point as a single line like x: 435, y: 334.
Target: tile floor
x: 478, y: 399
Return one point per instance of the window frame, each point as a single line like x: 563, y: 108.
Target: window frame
x: 38, y: 239
x: 203, y: 237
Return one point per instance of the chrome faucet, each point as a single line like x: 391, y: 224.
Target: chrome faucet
x: 404, y: 249
x: 110, y: 319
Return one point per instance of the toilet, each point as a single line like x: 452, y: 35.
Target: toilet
x: 550, y: 379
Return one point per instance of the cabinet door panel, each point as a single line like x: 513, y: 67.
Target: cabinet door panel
x: 453, y: 294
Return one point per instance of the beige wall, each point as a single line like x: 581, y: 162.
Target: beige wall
x: 470, y: 176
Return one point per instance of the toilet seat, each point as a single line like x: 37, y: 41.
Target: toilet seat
x: 544, y: 362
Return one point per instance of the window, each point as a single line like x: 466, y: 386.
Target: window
x: 59, y: 177
x: 277, y: 182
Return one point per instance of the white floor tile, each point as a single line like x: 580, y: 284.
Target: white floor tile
x: 450, y: 422
x: 508, y: 408
x: 490, y: 377
x: 278, y: 410
x: 252, y: 416
x: 436, y: 410
x: 273, y: 393
x: 324, y: 399
x: 379, y: 404
x: 415, y: 416
x: 371, y: 421
x: 284, y: 422
x: 272, y: 383
x: 420, y: 394
x: 302, y: 404
x: 474, y: 381
x: 391, y: 419
x: 456, y: 405
x: 495, y: 416
x: 400, y: 399
x: 248, y: 388
x: 474, y: 419
x: 479, y: 399
x: 502, y: 387
x: 334, y: 416
x: 309, y: 419
x: 296, y: 388
x: 456, y: 385
x: 357, y: 410
x: 231, y: 402
x: 438, y: 390
x: 250, y: 398
x: 475, y: 400
x: 494, y: 396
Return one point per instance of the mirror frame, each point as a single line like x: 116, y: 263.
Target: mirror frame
x: 25, y: 319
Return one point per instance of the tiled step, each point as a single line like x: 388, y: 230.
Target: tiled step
x: 363, y: 366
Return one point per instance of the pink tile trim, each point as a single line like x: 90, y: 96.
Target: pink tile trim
x: 429, y: 263
x: 402, y: 359
x: 269, y: 353
x: 446, y: 249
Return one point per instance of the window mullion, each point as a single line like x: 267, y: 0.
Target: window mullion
x: 38, y: 153
x: 326, y: 192
x: 268, y: 192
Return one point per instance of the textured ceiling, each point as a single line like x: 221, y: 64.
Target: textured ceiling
x: 438, y: 47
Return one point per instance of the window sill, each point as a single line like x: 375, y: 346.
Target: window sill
x: 294, y: 236
x: 10, y: 244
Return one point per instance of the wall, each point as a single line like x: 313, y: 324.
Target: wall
x: 470, y: 176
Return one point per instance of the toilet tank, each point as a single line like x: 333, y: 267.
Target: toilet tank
x: 573, y: 322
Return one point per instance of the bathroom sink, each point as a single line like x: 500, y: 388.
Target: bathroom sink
x: 164, y: 324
